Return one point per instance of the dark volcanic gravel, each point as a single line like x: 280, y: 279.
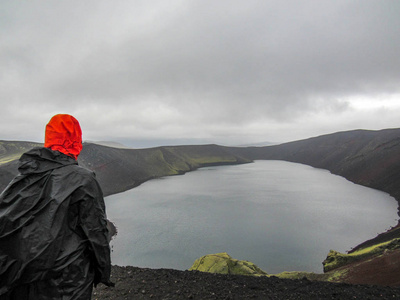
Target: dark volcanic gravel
x: 142, y: 283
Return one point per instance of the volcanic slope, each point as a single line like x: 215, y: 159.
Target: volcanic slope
x: 365, y: 157
x: 121, y: 169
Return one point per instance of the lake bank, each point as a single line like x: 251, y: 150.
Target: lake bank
x: 224, y: 223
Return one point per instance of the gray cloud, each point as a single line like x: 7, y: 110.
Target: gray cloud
x: 219, y: 71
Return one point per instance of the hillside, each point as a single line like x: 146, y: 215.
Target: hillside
x: 369, y: 158
x: 121, y: 169
x: 11, y: 150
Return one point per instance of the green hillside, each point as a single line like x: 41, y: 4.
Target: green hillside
x: 120, y: 169
x: 11, y: 150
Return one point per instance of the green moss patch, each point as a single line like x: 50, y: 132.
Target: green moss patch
x: 12, y: 150
x: 222, y: 263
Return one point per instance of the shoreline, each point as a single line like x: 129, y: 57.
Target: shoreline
x: 381, y: 237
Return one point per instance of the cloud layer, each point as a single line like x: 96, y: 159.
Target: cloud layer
x: 229, y: 72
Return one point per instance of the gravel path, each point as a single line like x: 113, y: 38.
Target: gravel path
x: 143, y: 283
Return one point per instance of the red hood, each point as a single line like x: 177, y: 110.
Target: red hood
x: 64, y: 134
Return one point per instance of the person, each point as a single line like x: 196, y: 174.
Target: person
x: 54, y: 241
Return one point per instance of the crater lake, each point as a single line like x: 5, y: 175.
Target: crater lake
x: 281, y: 216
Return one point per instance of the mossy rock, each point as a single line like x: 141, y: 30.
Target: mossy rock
x: 301, y: 275
x: 222, y: 263
x: 336, y: 259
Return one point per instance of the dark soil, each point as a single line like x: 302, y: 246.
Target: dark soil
x: 143, y: 283
x: 383, y: 270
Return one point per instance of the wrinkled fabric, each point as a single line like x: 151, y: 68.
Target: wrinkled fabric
x: 53, y: 230
x: 63, y: 133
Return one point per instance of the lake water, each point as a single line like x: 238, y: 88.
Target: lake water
x: 281, y: 216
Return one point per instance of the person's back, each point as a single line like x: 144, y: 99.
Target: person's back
x: 53, y: 230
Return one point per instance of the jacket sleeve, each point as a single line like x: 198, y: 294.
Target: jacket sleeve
x: 93, y: 222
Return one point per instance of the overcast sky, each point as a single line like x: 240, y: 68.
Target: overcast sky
x: 232, y: 72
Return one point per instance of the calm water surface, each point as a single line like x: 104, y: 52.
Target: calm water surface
x: 281, y: 216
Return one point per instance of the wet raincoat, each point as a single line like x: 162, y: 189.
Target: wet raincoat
x: 53, y: 228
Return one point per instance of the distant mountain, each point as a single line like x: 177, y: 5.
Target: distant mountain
x: 108, y: 144
x: 260, y: 144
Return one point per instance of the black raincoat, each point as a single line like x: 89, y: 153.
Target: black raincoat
x: 53, y: 230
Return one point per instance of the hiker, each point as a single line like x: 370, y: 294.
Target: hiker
x: 54, y: 241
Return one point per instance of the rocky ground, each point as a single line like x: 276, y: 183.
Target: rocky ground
x: 143, y: 283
